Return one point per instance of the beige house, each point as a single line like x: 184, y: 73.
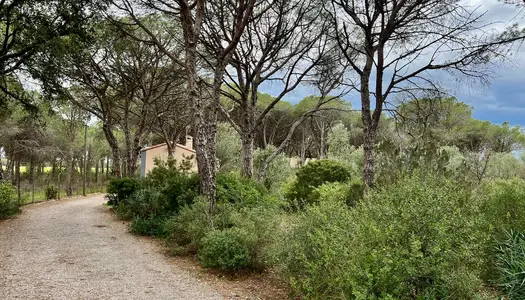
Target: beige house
x: 182, y: 152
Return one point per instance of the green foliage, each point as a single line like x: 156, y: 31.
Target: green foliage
x: 164, y: 191
x: 8, y: 201
x: 175, y: 184
x: 145, y: 203
x: 341, y: 150
x: 261, y: 223
x: 279, y: 169
x: 315, y: 254
x: 510, y: 262
x: 120, y: 189
x: 226, y: 249
x: 422, y: 235
x: 419, y: 239
x: 345, y: 192
x: 51, y: 192
x: 151, y: 226
x: 186, y: 229
x: 313, y: 175
x: 504, y: 165
x: 229, y: 148
x: 504, y: 205
x: 233, y: 188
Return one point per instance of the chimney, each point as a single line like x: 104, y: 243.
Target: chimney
x: 189, y: 142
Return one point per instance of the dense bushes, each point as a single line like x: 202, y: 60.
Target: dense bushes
x: 504, y: 206
x: 226, y: 249
x: 233, y: 188
x: 120, y: 189
x: 421, y: 238
x: 8, y: 201
x: 51, y: 192
x: 313, y: 175
x: 163, y: 192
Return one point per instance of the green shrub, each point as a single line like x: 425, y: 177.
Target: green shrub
x: 315, y: 254
x: 510, y: 263
x: 51, y: 192
x: 120, y: 189
x: 261, y: 223
x: 422, y: 236
x: 186, y: 229
x: 8, y: 201
x: 419, y: 239
x: 175, y: 183
x: 226, y: 249
x: 233, y: 188
x: 152, y: 226
x: 344, y: 192
x: 146, y: 202
x: 313, y: 175
x: 504, y: 205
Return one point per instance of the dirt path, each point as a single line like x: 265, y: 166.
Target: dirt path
x: 75, y: 249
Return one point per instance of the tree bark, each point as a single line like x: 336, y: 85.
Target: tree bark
x: 2, y: 176
x: 69, y: 176
x: 115, y: 151
x: 247, y: 153
x: 96, y: 170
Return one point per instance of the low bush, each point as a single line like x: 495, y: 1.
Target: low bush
x: 51, y: 192
x: 504, y: 205
x: 8, y: 201
x: 233, y: 188
x: 186, y: 229
x: 419, y: 239
x: 144, y: 203
x: 120, y: 189
x: 313, y: 175
x: 227, y: 249
x: 262, y: 223
x: 315, y: 255
x: 344, y: 192
x: 510, y: 265
x: 151, y: 226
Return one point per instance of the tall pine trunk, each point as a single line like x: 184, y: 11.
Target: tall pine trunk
x: 115, y: 151
x: 69, y: 175
x: 247, y: 154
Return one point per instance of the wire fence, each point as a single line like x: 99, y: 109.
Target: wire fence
x: 47, y: 186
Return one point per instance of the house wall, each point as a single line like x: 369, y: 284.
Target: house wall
x: 161, y: 152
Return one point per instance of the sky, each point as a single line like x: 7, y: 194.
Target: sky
x: 502, y: 100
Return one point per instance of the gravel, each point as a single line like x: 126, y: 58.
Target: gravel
x: 75, y: 249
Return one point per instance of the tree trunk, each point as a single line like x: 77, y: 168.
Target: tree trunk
x: 96, y: 170
x: 69, y: 176
x: 369, y: 156
x: 54, y: 168
x: 322, y: 142
x: 17, y: 179
x: 2, y: 176
x: 113, y: 144
x: 247, y: 153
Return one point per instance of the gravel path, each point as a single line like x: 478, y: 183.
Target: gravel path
x: 75, y: 249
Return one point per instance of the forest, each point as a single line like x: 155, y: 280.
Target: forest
x: 379, y: 184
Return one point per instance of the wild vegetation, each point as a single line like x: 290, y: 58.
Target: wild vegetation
x: 405, y: 196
